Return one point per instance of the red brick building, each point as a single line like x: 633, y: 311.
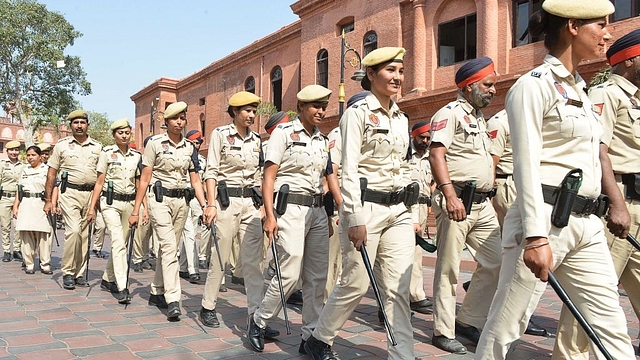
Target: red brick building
x: 11, y: 130
x: 439, y: 35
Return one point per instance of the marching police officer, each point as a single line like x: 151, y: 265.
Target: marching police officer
x: 75, y: 158
x: 556, y: 150
x: 463, y: 169
x: 10, y: 170
x: 170, y: 164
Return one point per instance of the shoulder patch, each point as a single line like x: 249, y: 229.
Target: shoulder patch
x: 536, y: 74
x: 439, y: 125
x: 597, y: 108
x: 493, y: 134
x: 332, y: 144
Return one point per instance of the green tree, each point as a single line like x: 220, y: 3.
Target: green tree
x: 99, y: 128
x: 37, y: 80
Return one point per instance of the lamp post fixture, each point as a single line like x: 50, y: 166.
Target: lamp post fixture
x: 154, y: 111
x: 357, y: 76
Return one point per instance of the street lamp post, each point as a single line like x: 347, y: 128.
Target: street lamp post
x: 357, y: 76
x: 154, y: 110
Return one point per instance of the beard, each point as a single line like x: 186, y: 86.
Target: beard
x: 479, y: 99
x: 420, y: 146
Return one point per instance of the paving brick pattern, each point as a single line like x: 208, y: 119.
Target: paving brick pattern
x: 39, y: 319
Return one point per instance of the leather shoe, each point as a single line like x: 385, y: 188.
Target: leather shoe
x: 108, y: 286
x: 319, y: 350
x: 46, y: 271
x: 295, y: 298
x: 17, y: 256
x: 123, y: 296
x: 451, y: 345
x: 423, y: 306
x: 255, y: 334
x: 194, y: 278
x: 145, y: 265
x: 209, y: 318
x: 173, y: 312
x: 80, y: 281
x: 68, y: 283
x: 6, y: 257
x: 158, y: 300
x: 270, y: 333
x: 536, y: 330
x: 237, y: 280
x: 223, y: 288
x: 470, y: 333
x: 202, y: 264
x: 184, y: 274
x: 29, y: 271
x: 137, y: 267
x: 301, y: 349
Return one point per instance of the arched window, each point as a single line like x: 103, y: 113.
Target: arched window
x: 322, y: 68
x: 203, y: 124
x: 276, y: 87
x: 250, y: 84
x: 370, y: 42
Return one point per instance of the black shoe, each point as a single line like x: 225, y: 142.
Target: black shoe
x: 30, y: 271
x: 451, y: 345
x: 137, y: 267
x: 209, y: 318
x: 270, y: 333
x: 6, y: 257
x: 68, y: 283
x: 123, y: 297
x: 194, y: 278
x: 465, y: 285
x: 202, y: 264
x: 23, y: 265
x: 108, y: 286
x: 301, y: 349
x: 237, y: 280
x: 95, y: 252
x: 145, y: 265
x: 80, y: 281
x: 470, y: 333
x: 158, y: 300
x: 46, y: 272
x: 423, y: 306
x: 152, y: 255
x: 100, y: 254
x: 255, y: 334
x: 17, y: 256
x: 223, y: 288
x: 184, y: 274
x: 319, y: 350
x: 536, y: 330
x: 173, y: 312
x: 380, y: 316
x: 295, y: 298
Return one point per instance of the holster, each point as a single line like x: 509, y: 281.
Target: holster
x: 223, y: 194
x: 0, y: 192
x: 567, y: 193
x: 363, y: 188
x: 189, y: 194
x: 283, y: 197
x: 632, y: 182
x: 64, y: 180
x: 468, y: 193
x: 256, y: 196
x: 329, y: 208
x: 110, y: 192
x: 20, y: 192
x: 42, y: 195
x: 412, y: 192
x: 157, y: 190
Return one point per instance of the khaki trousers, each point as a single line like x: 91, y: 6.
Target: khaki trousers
x: 480, y: 232
x: 583, y: 267
x: 74, y: 205
x: 167, y: 222
x: 335, y: 259
x: 116, y: 218
x: 303, y: 252
x: 239, y: 220
x: 390, y: 244
x: 505, y: 196
x: 100, y: 231
x: 142, y: 241
x: 32, y: 241
x: 203, y: 234
x: 6, y: 219
x: 188, y: 250
x: 416, y: 288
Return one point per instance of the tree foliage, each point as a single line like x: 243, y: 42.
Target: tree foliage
x: 33, y: 88
x: 99, y: 128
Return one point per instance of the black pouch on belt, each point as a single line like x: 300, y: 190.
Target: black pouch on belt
x: 328, y: 204
x: 223, y: 194
x: 468, y: 193
x: 565, y: 198
x: 64, y: 179
x: 363, y: 189
x: 157, y: 190
x: 256, y: 196
x: 411, y: 194
x: 283, y: 197
x: 110, y: 192
x: 189, y: 193
x: 0, y: 192
x: 20, y: 192
x: 632, y: 181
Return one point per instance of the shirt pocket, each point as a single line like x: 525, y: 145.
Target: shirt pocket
x: 473, y: 136
x: 634, y: 117
x: 573, y: 122
x: 377, y: 142
x: 301, y: 155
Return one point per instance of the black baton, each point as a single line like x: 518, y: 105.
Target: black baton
x: 52, y: 222
x: 129, y: 256
x: 276, y: 263
x: 214, y: 239
x: 562, y: 294
x: 633, y: 241
x: 86, y: 272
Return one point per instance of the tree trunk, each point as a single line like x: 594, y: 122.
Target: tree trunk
x: 29, y: 129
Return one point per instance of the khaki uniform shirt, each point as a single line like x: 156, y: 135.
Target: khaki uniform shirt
x: 122, y: 169
x: 78, y: 160
x: 234, y: 159
x: 9, y: 174
x: 171, y: 162
x: 617, y: 101
x: 553, y: 130
x: 463, y: 131
x: 302, y: 158
x: 421, y: 172
x: 335, y: 149
x: 31, y: 216
x: 374, y: 145
x: 498, y: 127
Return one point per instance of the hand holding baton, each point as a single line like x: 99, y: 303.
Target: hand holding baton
x: 633, y: 241
x: 214, y: 240
x: 52, y: 222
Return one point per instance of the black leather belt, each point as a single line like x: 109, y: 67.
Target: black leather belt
x: 29, y: 194
x: 306, y: 200
x: 8, y: 194
x: 383, y: 197
x: 240, y: 192
x: 478, y: 197
x: 83, y: 187
x: 424, y: 200
x: 582, y: 205
x: 503, y: 176
x: 174, y: 193
x: 121, y: 197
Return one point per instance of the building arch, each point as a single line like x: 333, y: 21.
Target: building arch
x: 250, y: 84
x: 369, y: 42
x: 322, y: 68
x: 276, y: 87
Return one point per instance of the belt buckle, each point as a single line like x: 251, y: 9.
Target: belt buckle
x: 590, y: 206
x: 394, y: 197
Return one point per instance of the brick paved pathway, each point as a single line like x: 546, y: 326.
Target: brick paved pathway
x: 40, y: 320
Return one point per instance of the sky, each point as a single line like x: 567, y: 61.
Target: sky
x: 128, y: 44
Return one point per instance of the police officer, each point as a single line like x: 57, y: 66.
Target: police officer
x: 31, y: 221
x: 45, y: 148
x: 118, y: 174
x: 297, y: 155
x: 100, y: 230
x: 375, y: 140
x: 617, y: 101
x: 10, y: 170
x: 143, y: 237
x: 170, y: 164
x: 463, y: 169
x: 421, y: 173
x: 75, y: 158
x: 556, y: 148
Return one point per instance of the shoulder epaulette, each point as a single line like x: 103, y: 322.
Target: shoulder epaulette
x: 285, y: 126
x: 536, y: 74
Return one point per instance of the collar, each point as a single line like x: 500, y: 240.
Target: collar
x: 297, y: 127
x: 374, y: 104
x: 465, y: 105
x: 561, y: 71
x: 165, y: 137
x: 626, y: 85
x: 88, y: 141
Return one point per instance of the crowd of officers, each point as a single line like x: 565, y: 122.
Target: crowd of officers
x: 524, y: 192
